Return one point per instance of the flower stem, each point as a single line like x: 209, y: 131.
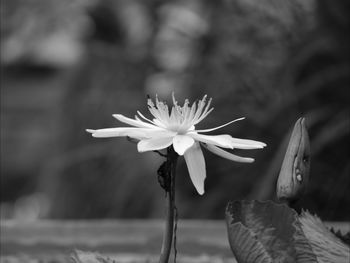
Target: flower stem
x: 170, y: 207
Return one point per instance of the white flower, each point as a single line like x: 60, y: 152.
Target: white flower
x: 177, y: 128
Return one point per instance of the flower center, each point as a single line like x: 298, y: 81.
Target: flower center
x: 180, y: 119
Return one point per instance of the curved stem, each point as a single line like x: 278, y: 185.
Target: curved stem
x: 170, y: 208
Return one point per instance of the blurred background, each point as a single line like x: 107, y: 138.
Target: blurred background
x: 69, y: 65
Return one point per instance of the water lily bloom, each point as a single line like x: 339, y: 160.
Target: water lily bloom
x: 176, y: 127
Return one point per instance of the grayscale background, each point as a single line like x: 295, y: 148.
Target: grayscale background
x: 69, y: 65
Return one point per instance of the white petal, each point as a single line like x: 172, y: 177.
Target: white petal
x: 133, y: 122
x: 143, y: 117
x: 159, y: 123
x: 227, y: 155
x: 223, y: 140
x: 196, y: 166
x: 137, y: 133
x: 181, y: 143
x: 154, y: 144
x: 221, y: 126
x: 247, y: 144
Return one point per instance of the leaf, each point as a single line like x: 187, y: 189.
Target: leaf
x: 327, y: 246
x: 263, y: 232
x: 79, y: 256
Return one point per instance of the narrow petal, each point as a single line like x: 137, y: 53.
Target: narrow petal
x: 221, y: 126
x: 143, y: 117
x: 227, y: 155
x: 196, y: 166
x: 182, y: 143
x: 137, y: 133
x: 154, y: 144
x: 159, y: 123
x: 134, y: 122
x: 223, y: 140
x: 247, y: 144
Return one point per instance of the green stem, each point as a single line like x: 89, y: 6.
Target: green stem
x: 170, y: 208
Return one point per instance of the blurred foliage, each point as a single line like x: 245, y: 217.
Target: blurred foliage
x: 269, y: 61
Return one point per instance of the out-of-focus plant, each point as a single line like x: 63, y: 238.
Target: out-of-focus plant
x: 271, y: 61
x: 278, y: 78
x: 47, y: 33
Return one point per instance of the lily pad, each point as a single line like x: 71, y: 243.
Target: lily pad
x: 325, y: 244
x: 263, y: 232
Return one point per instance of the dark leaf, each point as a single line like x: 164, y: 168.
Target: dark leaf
x: 266, y: 232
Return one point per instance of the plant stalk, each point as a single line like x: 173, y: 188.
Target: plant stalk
x: 170, y: 208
